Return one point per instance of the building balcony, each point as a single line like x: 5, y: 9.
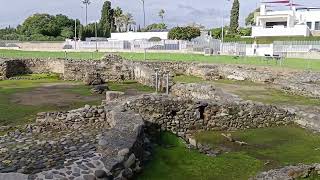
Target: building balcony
x: 297, y: 30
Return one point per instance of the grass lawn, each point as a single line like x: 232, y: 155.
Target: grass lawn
x: 129, y: 85
x: 279, y: 146
x: 52, y: 55
x: 268, y: 148
x: 299, y: 64
x: 173, y: 161
x: 14, y: 113
x: 292, y: 63
x: 254, y: 91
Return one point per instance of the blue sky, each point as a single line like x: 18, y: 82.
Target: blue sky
x: 178, y: 12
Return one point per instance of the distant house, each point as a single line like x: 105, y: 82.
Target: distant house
x: 293, y: 22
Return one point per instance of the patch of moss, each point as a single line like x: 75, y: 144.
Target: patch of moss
x: 276, y: 147
x: 173, y: 161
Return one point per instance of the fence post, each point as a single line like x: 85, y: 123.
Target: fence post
x: 65, y: 55
x: 167, y: 84
x: 145, y: 54
x: 156, y: 69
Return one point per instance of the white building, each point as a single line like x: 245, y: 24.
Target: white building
x: 292, y: 22
x: 131, y: 36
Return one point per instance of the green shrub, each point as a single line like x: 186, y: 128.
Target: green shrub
x: 184, y: 33
x: 154, y: 39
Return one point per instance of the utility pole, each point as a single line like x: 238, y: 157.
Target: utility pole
x: 222, y: 33
x: 96, y: 33
x: 144, y: 14
x: 75, y: 34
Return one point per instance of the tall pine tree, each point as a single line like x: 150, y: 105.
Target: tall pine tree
x: 234, y: 18
x: 106, y: 24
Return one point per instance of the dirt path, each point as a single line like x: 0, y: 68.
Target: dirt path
x: 50, y: 94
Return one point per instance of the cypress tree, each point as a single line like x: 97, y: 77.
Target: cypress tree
x: 106, y: 23
x: 234, y: 18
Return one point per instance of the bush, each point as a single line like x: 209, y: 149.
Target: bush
x: 67, y: 46
x: 154, y: 39
x: 184, y: 33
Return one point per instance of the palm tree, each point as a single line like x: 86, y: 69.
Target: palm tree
x: 86, y: 3
x: 161, y: 14
x: 118, y: 18
x: 127, y: 20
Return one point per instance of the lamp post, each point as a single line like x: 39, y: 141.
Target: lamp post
x: 144, y: 14
x: 75, y: 34
x: 222, y: 33
x: 96, y: 34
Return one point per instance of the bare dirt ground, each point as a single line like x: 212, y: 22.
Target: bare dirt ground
x: 50, y: 94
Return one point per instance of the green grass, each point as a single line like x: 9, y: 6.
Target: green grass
x: 39, y: 76
x: 294, y: 63
x: 172, y: 161
x: 129, y: 85
x: 52, y: 55
x: 280, y: 146
x: 15, y: 114
x: 253, y: 91
x: 267, y: 149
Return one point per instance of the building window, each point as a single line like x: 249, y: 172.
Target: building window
x: 317, y: 25
x: 309, y: 24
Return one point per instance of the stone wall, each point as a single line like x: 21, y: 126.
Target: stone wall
x: 3, y: 70
x: 94, y: 142
x: 184, y: 116
x: 114, y: 68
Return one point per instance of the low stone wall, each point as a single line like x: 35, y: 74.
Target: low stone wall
x: 94, y: 142
x: 184, y: 116
x: 202, y: 92
x: 114, y: 68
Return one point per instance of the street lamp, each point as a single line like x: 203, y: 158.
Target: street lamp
x: 75, y: 34
x: 144, y: 14
x: 96, y: 34
x: 222, y: 33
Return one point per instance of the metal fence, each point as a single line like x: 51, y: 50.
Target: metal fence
x: 136, y: 45
x: 296, y: 46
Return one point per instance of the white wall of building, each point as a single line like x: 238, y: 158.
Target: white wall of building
x: 130, y: 36
x: 297, y: 30
x: 296, y: 22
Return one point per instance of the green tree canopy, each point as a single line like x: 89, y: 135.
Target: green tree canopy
x: 184, y: 33
x: 234, y: 18
x: 44, y: 25
x: 106, y: 24
x: 154, y: 27
x: 250, y: 19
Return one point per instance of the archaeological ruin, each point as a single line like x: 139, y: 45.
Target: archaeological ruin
x: 109, y: 141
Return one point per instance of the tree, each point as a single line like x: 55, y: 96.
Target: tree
x: 234, y: 18
x: 245, y: 31
x: 117, y: 18
x: 155, y: 27
x: 86, y: 3
x: 250, y: 20
x: 106, y: 23
x: 161, y: 14
x: 127, y: 20
x: 184, y: 33
x: 88, y: 31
